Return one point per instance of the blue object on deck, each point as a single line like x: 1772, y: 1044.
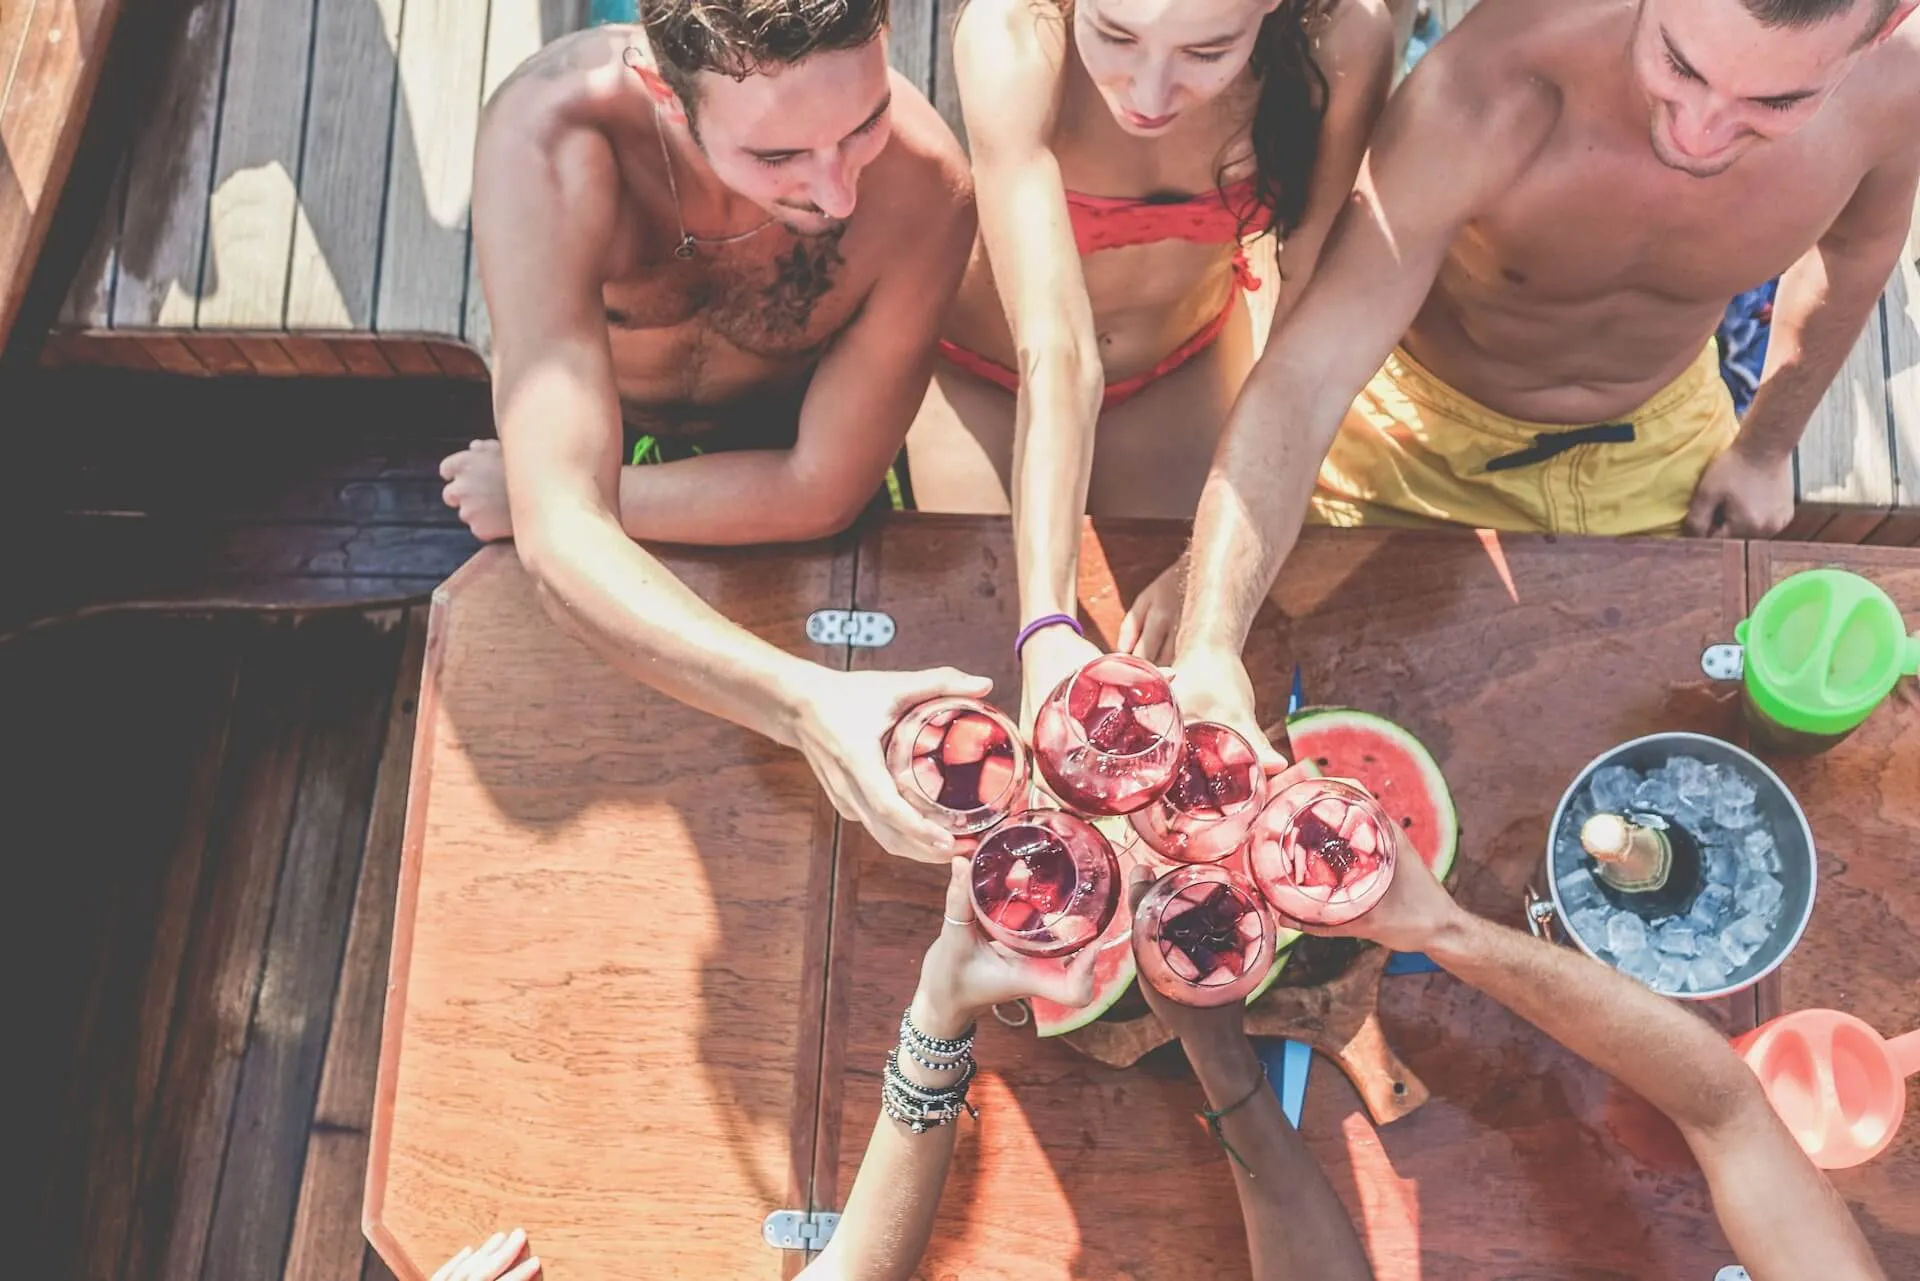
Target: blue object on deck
x: 1297, y: 696
x: 1427, y: 31
x: 605, y: 11
x: 1742, y: 340
x: 1411, y: 963
x: 1286, y: 1063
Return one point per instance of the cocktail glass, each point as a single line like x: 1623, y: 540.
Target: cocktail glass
x: 1202, y: 936
x: 1322, y: 851
x: 1108, y: 739
x: 1216, y: 793
x: 960, y: 762
x: 1045, y: 883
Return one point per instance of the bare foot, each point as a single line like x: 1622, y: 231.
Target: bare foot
x: 477, y: 487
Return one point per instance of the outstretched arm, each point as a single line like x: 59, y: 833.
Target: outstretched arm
x: 1297, y: 1230
x: 896, y: 1196
x: 544, y: 208
x: 1453, y: 135
x: 1783, y: 1219
x: 1008, y: 59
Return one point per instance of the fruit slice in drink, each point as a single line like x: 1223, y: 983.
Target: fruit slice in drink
x: 1322, y: 851
x: 1202, y: 937
x: 960, y: 762
x: 1216, y: 793
x: 1045, y: 883
x: 1108, y: 739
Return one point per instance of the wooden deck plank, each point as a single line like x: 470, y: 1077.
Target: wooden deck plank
x: 173, y: 732
x: 436, y: 114
x: 912, y: 41
x: 327, y: 1243
x: 1844, y: 462
x: 160, y: 241
x: 53, y: 50
x: 946, y: 90
x: 256, y: 166
x: 343, y: 179
x: 91, y: 293
x: 51, y: 752
x: 1902, y: 312
x: 220, y: 978
x: 253, y: 1214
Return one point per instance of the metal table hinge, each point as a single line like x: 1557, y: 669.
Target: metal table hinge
x: 862, y: 628
x: 1724, y: 662
x: 799, y: 1230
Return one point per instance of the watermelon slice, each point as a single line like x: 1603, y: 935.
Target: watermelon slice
x: 1112, y: 975
x: 1390, y: 763
x: 1113, y: 972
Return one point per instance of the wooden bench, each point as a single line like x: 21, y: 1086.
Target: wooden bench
x: 50, y: 57
x: 297, y: 200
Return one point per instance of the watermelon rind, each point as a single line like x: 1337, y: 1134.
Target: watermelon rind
x: 1053, y: 1019
x: 1307, y: 720
x: 1283, y: 941
x: 1047, y: 1023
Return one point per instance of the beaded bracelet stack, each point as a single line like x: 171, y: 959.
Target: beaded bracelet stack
x: 921, y: 1107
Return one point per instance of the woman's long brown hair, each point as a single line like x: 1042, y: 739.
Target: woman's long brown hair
x: 1287, y: 115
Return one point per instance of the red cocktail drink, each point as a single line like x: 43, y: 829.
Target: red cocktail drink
x: 1108, y: 739
x: 960, y: 762
x: 1216, y: 793
x: 1202, y: 937
x: 1322, y: 851
x: 1045, y: 883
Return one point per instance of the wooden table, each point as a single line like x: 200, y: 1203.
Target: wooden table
x: 1861, y: 952
x: 619, y: 1019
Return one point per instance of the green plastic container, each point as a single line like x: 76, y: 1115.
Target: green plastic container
x: 1822, y: 649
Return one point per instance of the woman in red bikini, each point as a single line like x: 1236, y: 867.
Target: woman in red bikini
x: 1123, y: 151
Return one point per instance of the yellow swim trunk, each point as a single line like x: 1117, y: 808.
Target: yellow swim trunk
x: 1415, y: 452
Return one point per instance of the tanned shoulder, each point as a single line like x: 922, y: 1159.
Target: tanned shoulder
x: 1895, y: 67
x: 925, y: 183
x: 1498, y: 79
x: 543, y: 158
x: 1354, y: 34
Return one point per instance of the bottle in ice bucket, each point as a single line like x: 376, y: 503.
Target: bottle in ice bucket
x: 1644, y: 864
x: 1820, y: 651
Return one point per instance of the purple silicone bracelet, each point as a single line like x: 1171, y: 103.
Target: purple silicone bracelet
x: 1045, y: 620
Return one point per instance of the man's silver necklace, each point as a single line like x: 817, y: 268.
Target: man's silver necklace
x: 684, y: 250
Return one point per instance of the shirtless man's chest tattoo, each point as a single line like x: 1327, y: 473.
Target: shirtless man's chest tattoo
x: 780, y: 307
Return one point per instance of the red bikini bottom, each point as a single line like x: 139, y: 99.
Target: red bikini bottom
x: 1117, y: 393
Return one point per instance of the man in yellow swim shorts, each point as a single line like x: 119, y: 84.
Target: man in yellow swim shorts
x: 1511, y: 325
x: 1524, y: 288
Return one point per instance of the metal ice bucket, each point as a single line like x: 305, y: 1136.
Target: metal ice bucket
x: 1780, y: 813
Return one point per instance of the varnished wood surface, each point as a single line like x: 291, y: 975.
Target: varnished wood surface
x: 1861, y: 951
x: 189, y: 800
x: 1525, y: 1162
x: 51, y: 53
x: 259, y: 493
x: 603, y: 1016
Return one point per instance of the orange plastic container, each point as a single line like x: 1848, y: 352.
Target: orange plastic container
x: 1838, y: 1084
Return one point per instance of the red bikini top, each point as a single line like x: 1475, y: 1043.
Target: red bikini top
x: 1113, y: 222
